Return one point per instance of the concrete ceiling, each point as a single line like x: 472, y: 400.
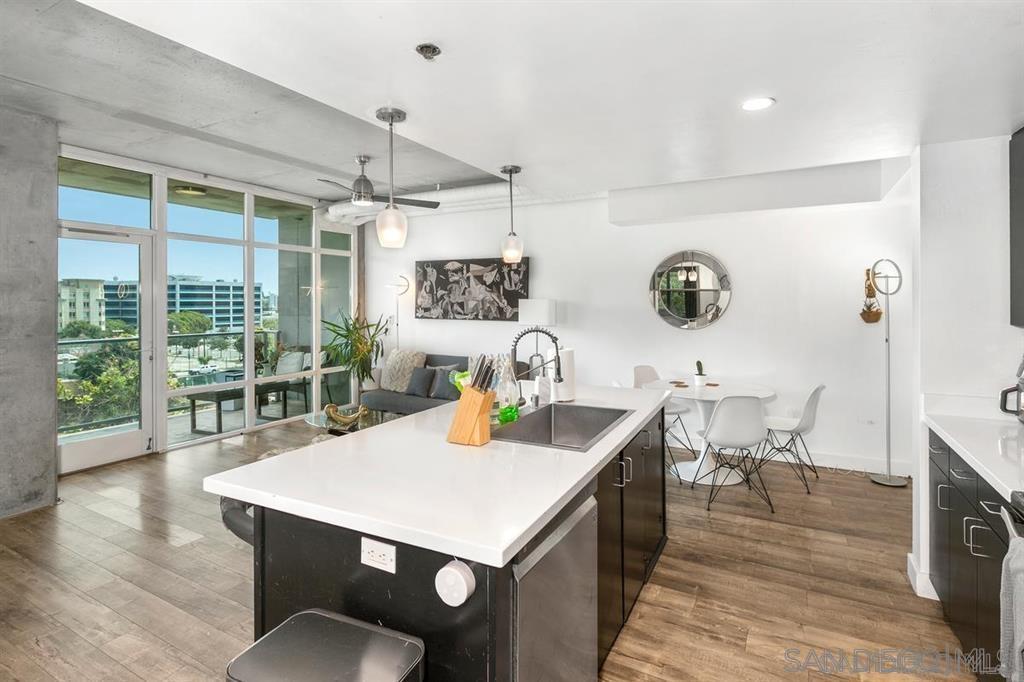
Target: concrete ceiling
x: 590, y: 96
x: 117, y: 88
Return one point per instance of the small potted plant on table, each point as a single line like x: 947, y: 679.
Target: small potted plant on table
x: 699, y: 378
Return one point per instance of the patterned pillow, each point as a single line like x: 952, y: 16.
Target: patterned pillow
x: 398, y: 369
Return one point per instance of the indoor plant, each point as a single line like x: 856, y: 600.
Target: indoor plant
x: 357, y: 344
x: 699, y: 377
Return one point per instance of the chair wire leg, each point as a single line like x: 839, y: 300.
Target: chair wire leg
x: 700, y: 462
x: 763, y: 492
x: 810, y: 461
x: 675, y: 465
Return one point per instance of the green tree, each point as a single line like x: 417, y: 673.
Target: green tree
x: 81, y: 329
x: 188, y: 322
x: 120, y: 328
x: 91, y: 365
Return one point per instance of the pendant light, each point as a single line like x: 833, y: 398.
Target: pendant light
x: 392, y: 225
x: 512, y: 245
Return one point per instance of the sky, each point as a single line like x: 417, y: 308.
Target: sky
x: 89, y: 259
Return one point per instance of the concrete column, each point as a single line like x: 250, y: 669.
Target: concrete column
x: 28, y: 312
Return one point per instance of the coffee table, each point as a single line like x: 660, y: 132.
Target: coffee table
x: 370, y: 419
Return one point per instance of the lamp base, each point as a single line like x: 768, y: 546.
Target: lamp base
x: 891, y: 481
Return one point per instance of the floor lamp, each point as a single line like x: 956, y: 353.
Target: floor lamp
x: 400, y: 288
x: 887, y: 279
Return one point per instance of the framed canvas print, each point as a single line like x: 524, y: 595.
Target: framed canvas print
x: 471, y: 289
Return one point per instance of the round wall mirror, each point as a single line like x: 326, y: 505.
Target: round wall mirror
x: 690, y: 289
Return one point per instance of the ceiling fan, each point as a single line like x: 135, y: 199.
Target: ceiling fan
x: 362, y: 188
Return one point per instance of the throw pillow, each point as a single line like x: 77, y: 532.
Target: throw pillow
x: 398, y: 369
x: 443, y: 388
x: 420, y: 382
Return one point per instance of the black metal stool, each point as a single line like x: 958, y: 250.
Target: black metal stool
x: 316, y: 645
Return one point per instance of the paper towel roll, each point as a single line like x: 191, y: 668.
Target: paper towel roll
x: 566, y: 390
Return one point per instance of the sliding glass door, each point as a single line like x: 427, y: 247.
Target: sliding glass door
x: 104, y: 349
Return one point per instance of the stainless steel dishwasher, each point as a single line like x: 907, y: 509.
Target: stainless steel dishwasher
x: 556, y: 603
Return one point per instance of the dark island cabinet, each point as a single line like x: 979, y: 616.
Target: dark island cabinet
x: 967, y: 543
x: 631, y: 527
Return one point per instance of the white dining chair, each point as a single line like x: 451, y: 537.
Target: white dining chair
x: 674, y: 411
x: 734, y: 439
x: 786, y: 435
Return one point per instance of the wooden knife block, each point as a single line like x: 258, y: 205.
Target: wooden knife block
x: 472, y: 422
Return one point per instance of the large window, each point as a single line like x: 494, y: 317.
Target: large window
x: 234, y: 283
x: 94, y: 193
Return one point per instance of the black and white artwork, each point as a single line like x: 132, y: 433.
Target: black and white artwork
x: 471, y: 289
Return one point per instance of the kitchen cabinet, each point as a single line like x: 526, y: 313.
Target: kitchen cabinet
x: 963, y: 572
x: 610, y: 616
x: 939, y: 532
x: 631, y: 527
x: 967, y: 543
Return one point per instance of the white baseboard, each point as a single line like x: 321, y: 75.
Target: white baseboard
x: 921, y: 582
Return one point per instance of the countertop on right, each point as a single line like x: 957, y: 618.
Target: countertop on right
x: 992, y: 446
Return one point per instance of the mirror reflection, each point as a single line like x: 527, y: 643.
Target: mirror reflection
x: 690, y: 289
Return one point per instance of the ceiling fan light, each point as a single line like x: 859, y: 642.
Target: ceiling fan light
x: 512, y: 249
x: 392, y: 227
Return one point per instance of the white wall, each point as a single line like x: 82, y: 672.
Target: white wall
x: 968, y: 345
x: 793, y: 320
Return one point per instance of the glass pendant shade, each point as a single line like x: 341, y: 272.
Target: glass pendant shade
x: 392, y: 226
x: 512, y: 249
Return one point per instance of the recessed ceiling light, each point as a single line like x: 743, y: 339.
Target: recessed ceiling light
x: 758, y: 103
x: 190, y: 190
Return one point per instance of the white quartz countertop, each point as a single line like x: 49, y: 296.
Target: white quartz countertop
x: 992, y: 446
x: 403, y: 481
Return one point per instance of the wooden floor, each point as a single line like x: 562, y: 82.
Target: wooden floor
x: 133, y: 576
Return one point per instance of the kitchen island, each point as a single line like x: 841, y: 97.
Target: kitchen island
x: 557, y: 542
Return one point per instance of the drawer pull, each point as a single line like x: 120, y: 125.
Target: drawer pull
x: 971, y: 546
x: 629, y: 478
x: 622, y: 476
x: 938, y: 497
x: 934, y: 450
x: 649, y: 441
x: 956, y: 474
x: 963, y: 532
x: 991, y: 507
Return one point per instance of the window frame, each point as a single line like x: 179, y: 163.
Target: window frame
x: 159, y: 236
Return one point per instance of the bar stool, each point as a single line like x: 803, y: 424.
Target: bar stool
x: 316, y: 645
x: 674, y: 411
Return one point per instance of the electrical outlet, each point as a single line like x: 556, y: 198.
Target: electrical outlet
x: 378, y: 555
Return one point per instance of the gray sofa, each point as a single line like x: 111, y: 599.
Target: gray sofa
x: 400, y: 403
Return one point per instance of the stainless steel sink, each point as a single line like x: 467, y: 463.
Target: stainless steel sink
x: 559, y: 425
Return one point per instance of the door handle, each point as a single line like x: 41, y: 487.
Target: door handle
x: 938, y: 497
x: 622, y: 475
x: 649, y: 441
x: 971, y: 546
x: 991, y: 507
x: 629, y: 478
x: 955, y: 474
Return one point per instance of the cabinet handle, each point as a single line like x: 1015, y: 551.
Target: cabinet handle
x: 622, y: 475
x: 649, y: 441
x: 988, y: 506
x: 971, y: 546
x: 938, y: 497
x: 963, y: 533
x: 629, y: 478
x: 955, y: 474
x: 934, y: 450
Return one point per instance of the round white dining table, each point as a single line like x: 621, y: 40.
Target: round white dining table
x: 705, y: 398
